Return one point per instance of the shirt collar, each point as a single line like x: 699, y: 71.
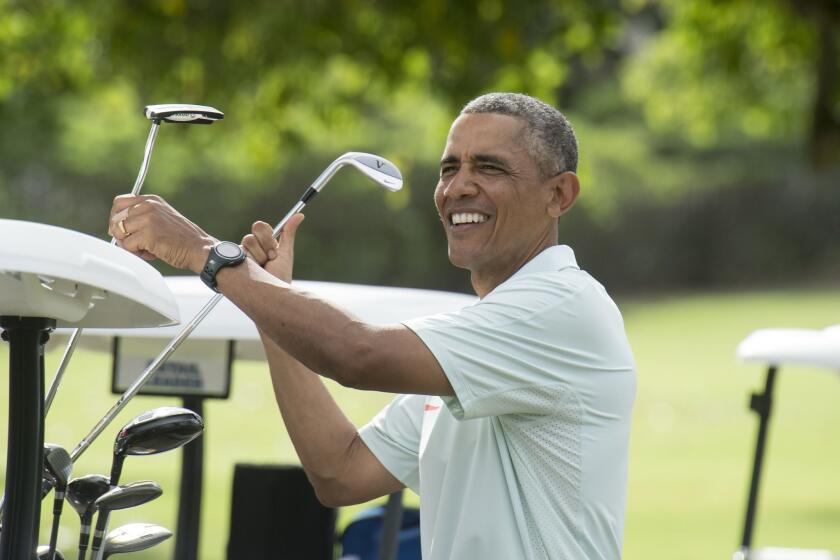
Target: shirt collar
x: 556, y: 257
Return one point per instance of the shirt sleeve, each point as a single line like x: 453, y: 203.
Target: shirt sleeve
x: 393, y: 436
x: 519, y: 350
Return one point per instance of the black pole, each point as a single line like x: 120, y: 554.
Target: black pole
x: 391, y: 524
x: 762, y: 404
x: 24, y: 455
x: 189, y: 505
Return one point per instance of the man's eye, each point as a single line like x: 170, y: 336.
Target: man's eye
x: 448, y: 170
x: 487, y: 168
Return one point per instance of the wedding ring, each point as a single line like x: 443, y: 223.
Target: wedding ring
x: 121, y: 225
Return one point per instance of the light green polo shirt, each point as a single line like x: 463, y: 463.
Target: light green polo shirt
x: 529, y: 458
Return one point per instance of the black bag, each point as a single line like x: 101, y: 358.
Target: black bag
x: 276, y: 516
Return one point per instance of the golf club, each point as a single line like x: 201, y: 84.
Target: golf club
x: 129, y: 495
x: 121, y: 497
x: 379, y: 169
x: 177, y: 113
x: 172, y: 113
x: 82, y: 494
x: 57, y: 469
x: 45, y: 552
x: 133, y: 537
x: 155, y: 431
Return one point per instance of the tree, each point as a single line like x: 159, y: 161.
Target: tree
x: 761, y: 70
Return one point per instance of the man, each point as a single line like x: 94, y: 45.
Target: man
x: 513, y: 424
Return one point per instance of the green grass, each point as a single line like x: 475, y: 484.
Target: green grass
x: 691, y: 448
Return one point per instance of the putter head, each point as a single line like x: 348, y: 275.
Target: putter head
x: 157, y: 431
x: 133, y: 537
x: 377, y: 168
x: 83, y: 492
x: 43, y: 553
x: 183, y: 113
x: 57, y: 465
x: 129, y: 495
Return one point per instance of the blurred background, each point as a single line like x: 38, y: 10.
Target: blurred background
x: 709, y: 139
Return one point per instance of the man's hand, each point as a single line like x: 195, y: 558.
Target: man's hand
x: 277, y: 258
x: 150, y: 228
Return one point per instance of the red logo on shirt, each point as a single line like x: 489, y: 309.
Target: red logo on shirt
x: 430, y: 407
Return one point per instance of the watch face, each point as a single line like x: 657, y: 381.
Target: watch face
x: 228, y: 249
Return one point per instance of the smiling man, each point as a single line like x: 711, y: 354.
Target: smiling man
x: 513, y: 418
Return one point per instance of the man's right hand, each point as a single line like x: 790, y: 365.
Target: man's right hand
x: 277, y: 258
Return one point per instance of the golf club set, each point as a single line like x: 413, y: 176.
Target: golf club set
x: 156, y: 431
x: 163, y: 428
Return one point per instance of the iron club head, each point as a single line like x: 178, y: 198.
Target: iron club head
x: 182, y: 113
x: 383, y: 172
x: 377, y: 168
x: 133, y: 537
x: 57, y: 465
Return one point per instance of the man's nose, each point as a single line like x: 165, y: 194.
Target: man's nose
x: 462, y: 185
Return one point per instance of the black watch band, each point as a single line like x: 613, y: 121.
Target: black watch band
x: 225, y: 253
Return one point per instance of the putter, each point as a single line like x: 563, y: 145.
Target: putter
x: 379, y: 169
x: 134, y: 537
x: 171, y: 113
x: 177, y: 113
x: 155, y: 431
x: 57, y: 469
x: 82, y: 494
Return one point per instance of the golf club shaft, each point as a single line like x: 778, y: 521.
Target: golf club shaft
x: 74, y: 337
x: 99, y: 532
x: 173, y: 344
x: 84, y: 535
x: 54, y: 535
x: 98, y: 550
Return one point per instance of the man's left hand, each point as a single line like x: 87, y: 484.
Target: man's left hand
x: 149, y: 227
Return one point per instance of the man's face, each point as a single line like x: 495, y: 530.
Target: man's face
x: 491, y: 197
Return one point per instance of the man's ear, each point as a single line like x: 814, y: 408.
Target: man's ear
x: 565, y: 189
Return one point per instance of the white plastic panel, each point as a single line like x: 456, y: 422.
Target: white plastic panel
x: 82, y: 281
x: 793, y: 346
x: 373, y: 304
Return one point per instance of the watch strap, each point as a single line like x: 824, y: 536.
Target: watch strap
x: 215, y: 262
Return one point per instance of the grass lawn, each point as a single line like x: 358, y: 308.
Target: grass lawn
x: 691, y: 448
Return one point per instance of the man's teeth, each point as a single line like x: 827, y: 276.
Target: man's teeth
x: 465, y: 218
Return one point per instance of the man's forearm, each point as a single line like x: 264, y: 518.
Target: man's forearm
x: 341, y: 468
x: 322, y: 435
x: 331, y: 342
x: 323, y: 338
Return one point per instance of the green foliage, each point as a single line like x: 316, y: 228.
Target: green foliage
x: 722, y: 69
x: 668, y: 98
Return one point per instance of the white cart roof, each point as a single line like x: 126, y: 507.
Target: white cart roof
x: 82, y: 281
x: 373, y: 304
x: 793, y: 346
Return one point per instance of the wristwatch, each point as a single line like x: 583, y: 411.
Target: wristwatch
x: 225, y: 253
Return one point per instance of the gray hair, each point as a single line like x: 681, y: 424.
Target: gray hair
x: 550, y: 137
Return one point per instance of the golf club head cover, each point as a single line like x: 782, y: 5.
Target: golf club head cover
x: 275, y: 514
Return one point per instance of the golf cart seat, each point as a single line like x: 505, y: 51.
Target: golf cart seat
x: 775, y: 347
x: 820, y: 348
x: 362, y: 537
x: 772, y: 553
